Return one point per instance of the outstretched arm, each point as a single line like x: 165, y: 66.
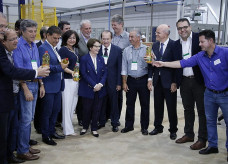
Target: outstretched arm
x: 174, y: 64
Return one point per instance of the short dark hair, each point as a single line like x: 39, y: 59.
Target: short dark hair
x: 62, y: 23
x: 54, y: 29
x: 183, y: 20
x: 18, y: 24
x: 208, y: 34
x: 66, y: 36
x: 91, y: 42
x: 43, y: 31
x: 107, y: 31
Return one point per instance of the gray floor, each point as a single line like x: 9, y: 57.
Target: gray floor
x: 129, y: 148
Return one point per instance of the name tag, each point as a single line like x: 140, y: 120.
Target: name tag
x: 34, y: 64
x: 105, y: 59
x: 134, y: 66
x: 217, y: 62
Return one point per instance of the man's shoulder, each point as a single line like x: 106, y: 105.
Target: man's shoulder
x: 115, y: 47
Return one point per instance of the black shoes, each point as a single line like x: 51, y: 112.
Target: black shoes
x: 209, y: 150
x: 155, y: 132
x: 144, y: 131
x: 115, y: 129
x: 32, y: 142
x: 95, y: 134
x: 83, y: 131
x: 126, y: 129
x: 14, y: 159
x: 57, y: 136
x: 100, y: 126
x: 49, y: 141
x: 173, y: 136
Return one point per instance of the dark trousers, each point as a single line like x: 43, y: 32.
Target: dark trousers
x: 110, y: 107
x: 120, y: 101
x: 191, y: 93
x: 79, y: 109
x: 137, y: 86
x: 3, y: 137
x: 91, y: 112
x: 51, y: 105
x: 13, y: 127
x: 160, y: 95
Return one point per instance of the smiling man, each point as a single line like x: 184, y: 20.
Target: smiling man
x: 191, y: 84
x: 27, y: 56
x: 213, y: 63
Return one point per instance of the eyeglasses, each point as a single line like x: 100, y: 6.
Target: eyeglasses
x: 180, y: 28
x: 97, y: 46
x: 11, y: 40
x: 3, y: 26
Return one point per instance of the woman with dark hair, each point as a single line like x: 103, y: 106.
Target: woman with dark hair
x: 91, y: 88
x: 69, y: 50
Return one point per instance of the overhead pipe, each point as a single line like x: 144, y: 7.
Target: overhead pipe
x: 220, y: 19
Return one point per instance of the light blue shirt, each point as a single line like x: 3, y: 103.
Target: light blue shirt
x: 122, y: 40
x: 130, y: 54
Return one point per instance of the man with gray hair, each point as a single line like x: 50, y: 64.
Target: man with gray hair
x: 27, y: 56
x: 164, y: 82
x: 85, y: 28
x: 135, y: 74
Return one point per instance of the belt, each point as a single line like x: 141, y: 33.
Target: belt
x: 139, y: 78
x: 35, y: 80
x: 190, y: 77
x: 217, y: 92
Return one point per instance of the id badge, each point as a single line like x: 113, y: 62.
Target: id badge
x: 105, y: 59
x: 34, y: 64
x: 134, y: 66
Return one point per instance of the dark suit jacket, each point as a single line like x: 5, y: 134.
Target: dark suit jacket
x: 195, y: 49
x: 167, y: 74
x: 38, y: 44
x: 89, y: 77
x: 7, y: 73
x: 114, y: 65
x: 53, y: 83
x: 82, y: 46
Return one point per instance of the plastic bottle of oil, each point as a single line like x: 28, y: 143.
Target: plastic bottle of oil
x: 46, y: 59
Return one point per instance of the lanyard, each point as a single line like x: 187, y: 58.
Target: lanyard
x: 74, y: 52
x: 28, y: 50
x: 137, y: 54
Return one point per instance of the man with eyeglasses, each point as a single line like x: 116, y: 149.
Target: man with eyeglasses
x: 191, y: 85
x: 7, y: 72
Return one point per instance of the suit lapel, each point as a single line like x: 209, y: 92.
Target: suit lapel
x: 90, y: 62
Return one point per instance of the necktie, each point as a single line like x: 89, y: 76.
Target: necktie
x: 161, y: 49
x: 106, y: 52
x: 9, y: 55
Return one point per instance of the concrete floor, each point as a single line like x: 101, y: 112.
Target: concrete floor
x: 129, y: 148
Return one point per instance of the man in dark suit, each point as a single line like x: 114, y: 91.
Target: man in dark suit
x: 7, y: 72
x: 85, y: 28
x: 43, y: 35
x: 164, y: 83
x: 191, y: 85
x: 54, y: 85
x: 113, y: 59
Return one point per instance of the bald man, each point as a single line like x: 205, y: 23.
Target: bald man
x: 164, y: 83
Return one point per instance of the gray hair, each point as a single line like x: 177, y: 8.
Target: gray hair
x: 27, y: 23
x: 84, y: 22
x: 138, y: 32
x: 117, y: 18
x: 3, y: 15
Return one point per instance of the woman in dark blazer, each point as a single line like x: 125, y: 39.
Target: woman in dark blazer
x: 91, y: 86
x: 69, y: 50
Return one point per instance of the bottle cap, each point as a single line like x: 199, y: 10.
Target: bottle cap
x: 66, y: 58
x: 46, y: 51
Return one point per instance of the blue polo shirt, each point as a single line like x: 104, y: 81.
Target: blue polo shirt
x: 24, y: 54
x: 214, y: 69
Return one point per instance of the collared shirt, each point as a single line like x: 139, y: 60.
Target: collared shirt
x: 187, y: 53
x: 164, y: 45
x: 109, y: 48
x: 94, y: 60
x: 130, y: 55
x: 24, y: 54
x: 86, y: 40
x: 15, y: 82
x: 122, y: 40
x: 59, y: 43
x: 214, y: 69
x: 55, y: 51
